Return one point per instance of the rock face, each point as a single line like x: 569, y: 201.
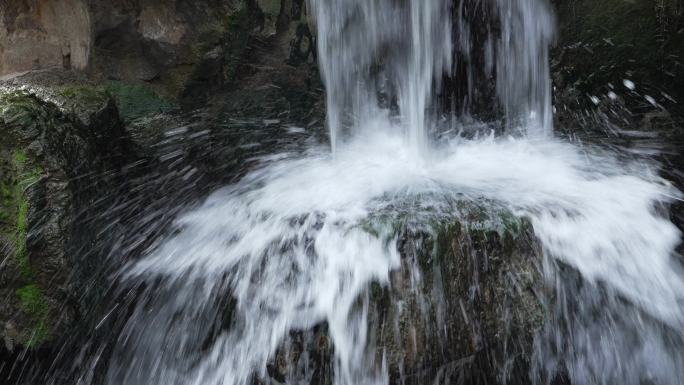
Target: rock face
x: 463, y: 308
x: 152, y: 41
x: 178, y: 48
x: 56, y: 141
x: 622, y: 58
x: 140, y: 40
x: 264, y: 66
x: 36, y: 34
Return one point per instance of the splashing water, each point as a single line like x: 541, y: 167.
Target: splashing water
x: 288, y: 242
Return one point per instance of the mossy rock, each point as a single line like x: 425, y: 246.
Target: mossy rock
x: 55, y: 143
x: 137, y: 101
x: 476, y: 297
x: 27, y: 308
x: 36, y: 308
x: 463, y: 307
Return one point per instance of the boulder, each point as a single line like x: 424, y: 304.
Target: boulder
x: 60, y: 143
x: 464, y: 307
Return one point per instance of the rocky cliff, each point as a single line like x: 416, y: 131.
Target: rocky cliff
x: 176, y: 48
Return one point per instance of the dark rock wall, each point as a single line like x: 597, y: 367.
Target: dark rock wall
x: 463, y: 308
x: 58, y: 148
x: 602, y: 44
x: 258, y: 55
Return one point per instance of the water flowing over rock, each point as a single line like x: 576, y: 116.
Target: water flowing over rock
x: 195, y: 219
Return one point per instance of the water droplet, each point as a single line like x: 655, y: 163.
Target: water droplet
x: 629, y: 84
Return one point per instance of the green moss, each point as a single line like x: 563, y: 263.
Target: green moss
x: 84, y: 95
x: 136, y: 101
x: 15, y: 207
x: 384, y: 226
x: 22, y: 231
x: 16, y: 203
x: 35, y: 306
x: 19, y: 158
x: 19, y: 109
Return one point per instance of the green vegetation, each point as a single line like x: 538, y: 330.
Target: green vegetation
x: 19, y: 176
x: 24, y: 180
x: 83, y: 96
x: 18, y: 108
x: 35, y: 306
x: 136, y: 101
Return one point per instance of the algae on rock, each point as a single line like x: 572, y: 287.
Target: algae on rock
x: 55, y: 140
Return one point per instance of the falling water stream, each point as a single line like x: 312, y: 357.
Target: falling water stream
x: 285, y: 248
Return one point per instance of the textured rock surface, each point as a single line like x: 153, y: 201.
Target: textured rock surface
x: 36, y: 34
x: 463, y: 308
x: 55, y: 141
x: 142, y: 40
x: 178, y: 48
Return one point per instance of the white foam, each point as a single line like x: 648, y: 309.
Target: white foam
x: 289, y: 234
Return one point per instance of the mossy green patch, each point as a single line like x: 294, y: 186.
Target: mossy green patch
x: 17, y: 199
x: 84, y: 96
x: 136, y: 100
x: 15, y: 223
x: 35, y: 306
x: 19, y: 109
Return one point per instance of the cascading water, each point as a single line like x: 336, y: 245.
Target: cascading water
x: 410, y: 43
x: 285, y: 248
x: 523, y: 77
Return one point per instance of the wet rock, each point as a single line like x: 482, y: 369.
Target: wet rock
x: 604, y: 47
x: 464, y: 307
x: 134, y: 41
x: 56, y: 140
x: 256, y: 58
x: 269, y: 66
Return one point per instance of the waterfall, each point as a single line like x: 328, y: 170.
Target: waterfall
x: 287, y: 247
x: 408, y: 43
x: 523, y: 78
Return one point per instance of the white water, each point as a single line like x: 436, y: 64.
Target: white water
x: 288, y: 239
x: 410, y: 43
x: 523, y: 77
